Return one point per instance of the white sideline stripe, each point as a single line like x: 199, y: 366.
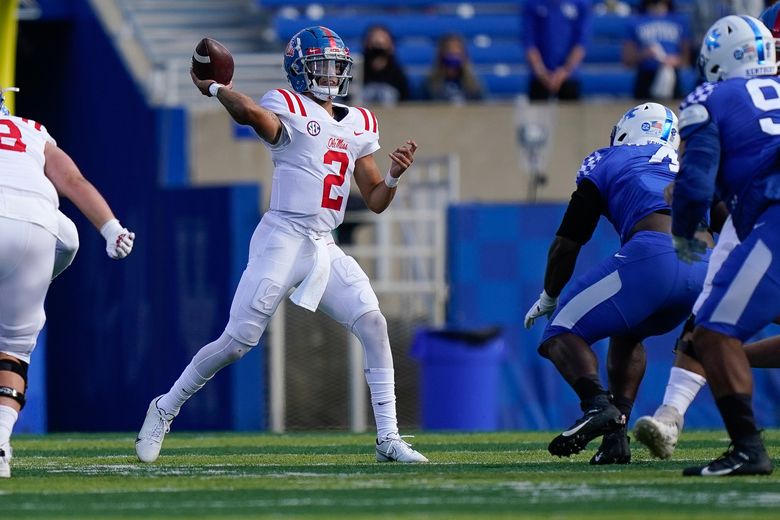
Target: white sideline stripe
x: 742, y: 287
x: 581, y: 304
x: 200, y: 58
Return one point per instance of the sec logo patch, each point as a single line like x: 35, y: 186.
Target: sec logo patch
x: 313, y: 127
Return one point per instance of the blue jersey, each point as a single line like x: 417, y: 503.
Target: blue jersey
x: 631, y: 180
x: 554, y: 27
x: 741, y: 118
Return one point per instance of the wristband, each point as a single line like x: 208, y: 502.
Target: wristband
x: 111, y: 229
x: 390, y: 181
x: 214, y: 88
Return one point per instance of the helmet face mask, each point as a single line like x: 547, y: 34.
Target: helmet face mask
x: 3, y: 107
x: 317, y: 61
x: 737, y: 47
x: 648, y: 123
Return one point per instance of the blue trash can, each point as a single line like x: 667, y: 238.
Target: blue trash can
x: 460, y: 381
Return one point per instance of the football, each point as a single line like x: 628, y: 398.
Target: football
x: 212, y: 60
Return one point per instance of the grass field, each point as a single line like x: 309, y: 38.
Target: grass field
x: 333, y: 475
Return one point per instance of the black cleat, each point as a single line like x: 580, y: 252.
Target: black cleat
x: 745, y: 460
x: 614, y: 449
x: 595, y: 423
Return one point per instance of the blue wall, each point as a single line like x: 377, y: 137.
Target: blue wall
x: 497, y: 255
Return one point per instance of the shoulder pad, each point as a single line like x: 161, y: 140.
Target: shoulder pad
x: 282, y: 102
x: 693, y: 115
x: 699, y: 95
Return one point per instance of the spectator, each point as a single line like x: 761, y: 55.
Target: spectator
x: 452, y: 77
x: 612, y: 7
x: 658, y: 46
x: 555, y: 36
x: 384, y: 80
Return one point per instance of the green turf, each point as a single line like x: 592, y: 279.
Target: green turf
x: 333, y: 475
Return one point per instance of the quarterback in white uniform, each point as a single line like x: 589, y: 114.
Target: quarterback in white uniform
x: 37, y: 242
x: 317, y: 147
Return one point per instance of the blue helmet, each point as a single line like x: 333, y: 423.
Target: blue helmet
x: 317, y: 61
x: 771, y: 18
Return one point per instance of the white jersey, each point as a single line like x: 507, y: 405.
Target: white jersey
x: 315, y: 157
x: 25, y: 191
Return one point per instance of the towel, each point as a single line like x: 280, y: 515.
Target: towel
x: 310, y: 291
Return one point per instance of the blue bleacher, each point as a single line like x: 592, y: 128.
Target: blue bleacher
x: 428, y: 26
x: 492, y: 39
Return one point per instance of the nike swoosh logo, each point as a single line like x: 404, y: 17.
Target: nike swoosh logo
x: 759, y: 225
x: 137, y: 440
x: 358, y: 133
x: 707, y: 473
x: 598, y: 456
x: 618, y: 255
x: 382, y: 404
x: 569, y: 433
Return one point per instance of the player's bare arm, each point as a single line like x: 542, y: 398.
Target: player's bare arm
x: 243, y: 109
x: 71, y: 184
x: 376, y: 190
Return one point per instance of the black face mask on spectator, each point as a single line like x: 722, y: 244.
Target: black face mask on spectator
x: 371, y: 53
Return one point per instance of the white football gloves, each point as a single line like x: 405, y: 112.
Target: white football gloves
x: 544, y: 306
x: 689, y: 251
x: 119, y: 241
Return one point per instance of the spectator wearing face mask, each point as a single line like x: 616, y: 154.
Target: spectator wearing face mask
x: 658, y: 46
x: 452, y: 77
x: 384, y: 80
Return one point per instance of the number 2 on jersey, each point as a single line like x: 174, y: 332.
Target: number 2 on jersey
x: 334, y: 179
x: 11, y: 137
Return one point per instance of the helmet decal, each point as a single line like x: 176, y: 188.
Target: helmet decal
x: 648, y: 123
x: 317, y: 61
x: 759, y: 38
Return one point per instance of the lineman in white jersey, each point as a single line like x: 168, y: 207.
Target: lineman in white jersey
x: 36, y: 243
x: 317, y: 147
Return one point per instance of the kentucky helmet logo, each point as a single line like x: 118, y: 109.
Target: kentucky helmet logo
x: 712, y: 40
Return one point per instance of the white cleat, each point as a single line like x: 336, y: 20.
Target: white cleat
x: 660, y: 432
x: 150, y: 438
x: 394, y: 448
x: 5, y: 460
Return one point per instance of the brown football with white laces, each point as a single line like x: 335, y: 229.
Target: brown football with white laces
x: 212, y: 60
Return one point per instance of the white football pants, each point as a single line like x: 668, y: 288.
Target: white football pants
x: 26, y: 263
x: 279, y: 259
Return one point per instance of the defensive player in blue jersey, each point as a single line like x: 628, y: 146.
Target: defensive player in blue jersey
x: 642, y: 290
x: 661, y: 431
x: 731, y: 127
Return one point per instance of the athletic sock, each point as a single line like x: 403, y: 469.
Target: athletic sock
x: 624, y: 404
x: 590, y: 392
x: 189, y: 382
x: 682, y: 388
x: 8, y: 417
x: 381, y: 383
x: 737, y: 413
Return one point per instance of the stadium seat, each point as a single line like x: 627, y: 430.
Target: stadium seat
x: 429, y: 26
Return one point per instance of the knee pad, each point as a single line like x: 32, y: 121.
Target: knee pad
x: 371, y: 330
x: 684, y: 343
x: 17, y: 367
x: 250, y: 315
